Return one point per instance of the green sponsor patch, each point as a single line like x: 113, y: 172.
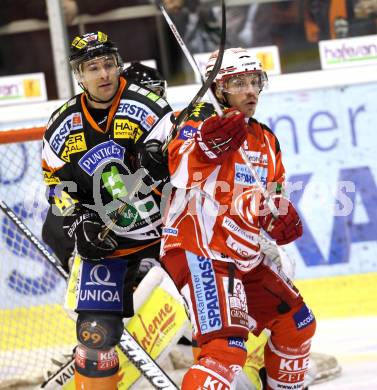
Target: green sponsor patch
x: 152, y: 96
x: 113, y: 183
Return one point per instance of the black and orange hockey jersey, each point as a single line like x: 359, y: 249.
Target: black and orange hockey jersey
x: 83, y: 164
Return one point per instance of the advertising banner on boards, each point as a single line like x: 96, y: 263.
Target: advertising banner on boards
x: 328, y: 142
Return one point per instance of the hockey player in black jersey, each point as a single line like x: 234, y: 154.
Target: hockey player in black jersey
x: 90, y: 153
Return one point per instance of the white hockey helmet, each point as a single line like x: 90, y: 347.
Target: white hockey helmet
x: 236, y: 62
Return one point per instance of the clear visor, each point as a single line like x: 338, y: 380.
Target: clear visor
x: 253, y: 81
x: 97, y: 67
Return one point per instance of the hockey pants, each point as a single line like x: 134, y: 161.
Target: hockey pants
x: 223, y: 304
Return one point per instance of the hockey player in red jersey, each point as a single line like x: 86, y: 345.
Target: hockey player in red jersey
x: 210, y: 243
x: 90, y: 144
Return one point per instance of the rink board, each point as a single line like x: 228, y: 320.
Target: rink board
x: 333, y: 297
x: 35, y: 327
x: 330, y: 298
x: 31, y: 335
x: 341, y: 296
x: 328, y: 149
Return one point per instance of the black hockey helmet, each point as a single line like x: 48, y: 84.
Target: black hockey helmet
x: 88, y: 46
x: 146, y: 76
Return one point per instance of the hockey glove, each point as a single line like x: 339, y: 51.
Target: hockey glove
x: 85, y: 226
x: 153, y: 160
x: 287, y: 227
x: 219, y: 136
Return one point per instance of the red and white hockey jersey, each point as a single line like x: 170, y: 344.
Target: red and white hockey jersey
x: 213, y: 210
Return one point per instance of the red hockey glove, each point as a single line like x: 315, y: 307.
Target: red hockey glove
x: 220, y: 136
x: 287, y: 227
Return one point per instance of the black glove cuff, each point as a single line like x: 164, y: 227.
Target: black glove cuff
x: 72, y: 222
x: 154, y: 160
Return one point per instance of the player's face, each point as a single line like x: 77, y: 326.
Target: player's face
x: 100, y: 77
x: 245, y: 102
x: 242, y: 92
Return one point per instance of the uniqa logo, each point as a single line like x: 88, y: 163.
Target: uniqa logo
x: 95, y: 278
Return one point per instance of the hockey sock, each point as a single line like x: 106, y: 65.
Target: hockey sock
x: 285, y: 371
x: 96, y: 369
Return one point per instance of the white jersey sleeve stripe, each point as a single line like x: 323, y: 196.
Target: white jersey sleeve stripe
x: 162, y: 129
x: 51, y: 159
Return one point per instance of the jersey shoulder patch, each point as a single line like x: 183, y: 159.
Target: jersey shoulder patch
x: 137, y: 113
x: 149, y: 97
x: 65, y: 119
x: 56, y: 114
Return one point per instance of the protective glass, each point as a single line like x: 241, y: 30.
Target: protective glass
x: 245, y: 82
x: 95, y: 68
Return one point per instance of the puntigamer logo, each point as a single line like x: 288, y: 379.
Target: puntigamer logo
x: 103, y: 152
x: 340, y: 53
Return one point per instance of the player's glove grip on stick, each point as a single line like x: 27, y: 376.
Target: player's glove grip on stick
x: 86, y: 226
x: 154, y: 160
x: 287, y: 227
x: 219, y: 136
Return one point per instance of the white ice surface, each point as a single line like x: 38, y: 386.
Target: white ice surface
x: 353, y: 342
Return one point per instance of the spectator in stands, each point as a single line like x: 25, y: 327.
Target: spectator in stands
x: 28, y: 52
x: 329, y: 19
x: 199, y: 23
x: 282, y: 24
x: 297, y: 26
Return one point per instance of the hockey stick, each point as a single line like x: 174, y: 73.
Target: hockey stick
x: 206, y: 84
x: 137, y: 355
x: 33, y: 239
x: 183, y: 114
x: 195, y: 67
x: 128, y: 345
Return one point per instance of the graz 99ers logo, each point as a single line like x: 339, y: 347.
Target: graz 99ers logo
x: 247, y: 206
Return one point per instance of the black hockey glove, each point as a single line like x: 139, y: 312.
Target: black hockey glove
x: 85, y: 226
x: 153, y: 160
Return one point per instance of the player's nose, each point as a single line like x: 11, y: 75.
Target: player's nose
x: 104, y: 73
